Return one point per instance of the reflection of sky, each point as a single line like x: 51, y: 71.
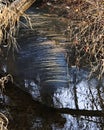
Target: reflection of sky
x: 81, y: 123
x: 87, y: 93
x: 87, y: 96
x: 72, y: 123
x: 32, y: 88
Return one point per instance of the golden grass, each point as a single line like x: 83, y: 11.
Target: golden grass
x: 86, y: 33
x: 9, y: 21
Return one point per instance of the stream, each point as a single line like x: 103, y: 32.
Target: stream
x: 43, y: 80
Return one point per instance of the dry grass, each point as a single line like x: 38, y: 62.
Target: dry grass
x: 86, y: 34
x: 3, y: 118
x: 3, y: 122
x: 8, y: 20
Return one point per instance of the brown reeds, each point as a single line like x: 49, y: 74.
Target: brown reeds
x: 9, y: 17
x: 86, y: 34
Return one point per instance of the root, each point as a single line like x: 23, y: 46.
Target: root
x: 3, y: 122
x: 5, y: 80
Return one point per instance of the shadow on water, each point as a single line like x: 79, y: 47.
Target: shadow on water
x: 26, y: 114
x: 41, y: 69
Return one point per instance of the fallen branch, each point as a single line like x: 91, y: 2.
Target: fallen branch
x: 14, y: 11
x: 21, y: 5
x: 3, y: 122
x: 96, y: 113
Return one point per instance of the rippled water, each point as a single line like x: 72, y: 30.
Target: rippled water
x: 40, y: 68
x: 40, y: 65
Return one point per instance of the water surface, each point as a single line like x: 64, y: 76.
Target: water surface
x: 41, y: 61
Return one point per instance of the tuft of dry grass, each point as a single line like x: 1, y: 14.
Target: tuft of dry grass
x: 86, y: 34
x: 9, y: 21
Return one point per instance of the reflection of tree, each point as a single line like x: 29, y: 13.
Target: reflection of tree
x: 100, y: 93
x: 32, y: 115
x: 92, y: 98
x: 75, y: 90
x: 88, y: 94
x: 83, y: 123
x: 96, y: 95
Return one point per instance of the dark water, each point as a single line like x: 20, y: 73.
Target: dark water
x: 25, y: 114
x: 40, y: 65
x: 40, y: 68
